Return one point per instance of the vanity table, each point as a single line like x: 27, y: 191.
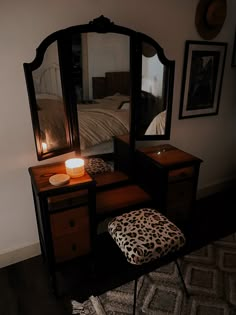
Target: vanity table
x: 91, y: 91
x: 69, y: 216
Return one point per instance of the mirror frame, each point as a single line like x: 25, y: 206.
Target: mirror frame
x: 64, y: 40
x: 168, y: 82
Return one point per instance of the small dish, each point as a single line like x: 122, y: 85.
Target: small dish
x: 59, y: 179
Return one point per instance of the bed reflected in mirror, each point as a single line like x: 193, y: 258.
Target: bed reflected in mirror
x: 101, y: 76
x: 151, y: 113
x: 53, y: 126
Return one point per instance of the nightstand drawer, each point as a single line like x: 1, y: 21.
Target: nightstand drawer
x: 181, y: 174
x: 70, y: 221
x: 180, y: 194
x: 71, y: 246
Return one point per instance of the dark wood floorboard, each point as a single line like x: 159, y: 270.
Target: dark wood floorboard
x: 25, y: 288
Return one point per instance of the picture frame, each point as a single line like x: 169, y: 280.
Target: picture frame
x: 233, y: 62
x: 202, y: 78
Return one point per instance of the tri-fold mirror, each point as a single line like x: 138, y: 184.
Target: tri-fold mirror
x: 89, y: 83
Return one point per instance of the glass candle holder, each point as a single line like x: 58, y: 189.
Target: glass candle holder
x: 75, y: 167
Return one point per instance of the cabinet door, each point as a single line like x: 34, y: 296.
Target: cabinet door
x: 70, y: 233
x: 180, y: 193
x: 180, y: 201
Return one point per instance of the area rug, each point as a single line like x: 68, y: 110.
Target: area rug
x: 210, y: 277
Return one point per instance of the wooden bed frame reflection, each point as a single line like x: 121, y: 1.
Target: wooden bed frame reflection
x: 111, y: 83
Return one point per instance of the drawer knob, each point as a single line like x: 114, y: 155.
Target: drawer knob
x: 72, y: 223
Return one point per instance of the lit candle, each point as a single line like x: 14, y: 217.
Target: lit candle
x: 44, y: 146
x: 75, y: 167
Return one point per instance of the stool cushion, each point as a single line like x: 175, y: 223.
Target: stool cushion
x: 97, y: 166
x: 144, y: 235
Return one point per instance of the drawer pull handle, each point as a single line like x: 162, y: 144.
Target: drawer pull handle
x: 74, y: 247
x: 72, y: 223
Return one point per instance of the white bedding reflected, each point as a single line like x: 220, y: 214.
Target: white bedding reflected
x: 100, y: 121
x: 157, y: 125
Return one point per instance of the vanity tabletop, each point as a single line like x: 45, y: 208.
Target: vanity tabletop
x: 40, y: 178
x: 168, y: 155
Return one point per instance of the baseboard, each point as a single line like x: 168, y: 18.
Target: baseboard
x: 19, y: 254
x: 215, y: 188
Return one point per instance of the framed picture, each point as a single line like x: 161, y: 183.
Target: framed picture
x: 233, y: 63
x: 202, y: 78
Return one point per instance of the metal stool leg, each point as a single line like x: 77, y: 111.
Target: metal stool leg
x: 135, y: 295
x: 181, y: 277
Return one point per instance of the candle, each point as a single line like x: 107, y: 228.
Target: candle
x: 44, y: 146
x: 75, y: 167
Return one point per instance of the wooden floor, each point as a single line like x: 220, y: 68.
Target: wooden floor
x: 25, y: 288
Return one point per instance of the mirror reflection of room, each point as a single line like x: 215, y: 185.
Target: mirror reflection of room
x: 50, y: 105
x: 152, y: 105
x: 102, y: 88
x: 84, y: 77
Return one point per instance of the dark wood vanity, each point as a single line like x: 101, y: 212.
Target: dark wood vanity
x: 72, y: 218
x: 98, y: 89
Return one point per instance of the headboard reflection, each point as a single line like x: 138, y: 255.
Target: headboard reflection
x: 48, y: 81
x: 111, y: 83
x: 106, y: 115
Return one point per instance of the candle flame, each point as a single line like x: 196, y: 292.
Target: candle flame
x: 44, y: 146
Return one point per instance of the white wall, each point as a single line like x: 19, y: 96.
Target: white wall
x: 24, y: 24
x: 101, y: 55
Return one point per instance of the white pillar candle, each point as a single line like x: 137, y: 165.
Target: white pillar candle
x: 75, y: 167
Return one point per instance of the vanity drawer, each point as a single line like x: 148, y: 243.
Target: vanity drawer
x: 181, y: 174
x: 70, y: 221
x: 180, y: 194
x: 68, y: 200
x: 71, y: 246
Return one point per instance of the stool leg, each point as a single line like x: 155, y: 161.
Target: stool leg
x: 135, y: 295
x: 181, y: 277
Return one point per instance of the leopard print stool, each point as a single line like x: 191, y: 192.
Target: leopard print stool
x: 145, y: 235
x: 96, y: 166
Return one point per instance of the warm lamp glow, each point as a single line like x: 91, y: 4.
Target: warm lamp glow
x: 75, y: 167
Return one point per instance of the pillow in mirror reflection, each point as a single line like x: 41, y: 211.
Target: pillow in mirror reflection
x: 97, y: 166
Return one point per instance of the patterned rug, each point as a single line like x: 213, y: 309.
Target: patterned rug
x: 210, y: 277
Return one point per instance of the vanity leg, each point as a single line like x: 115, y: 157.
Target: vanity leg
x: 53, y: 284
x: 93, y: 227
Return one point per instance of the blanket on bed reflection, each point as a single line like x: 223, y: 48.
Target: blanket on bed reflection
x: 100, y: 125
